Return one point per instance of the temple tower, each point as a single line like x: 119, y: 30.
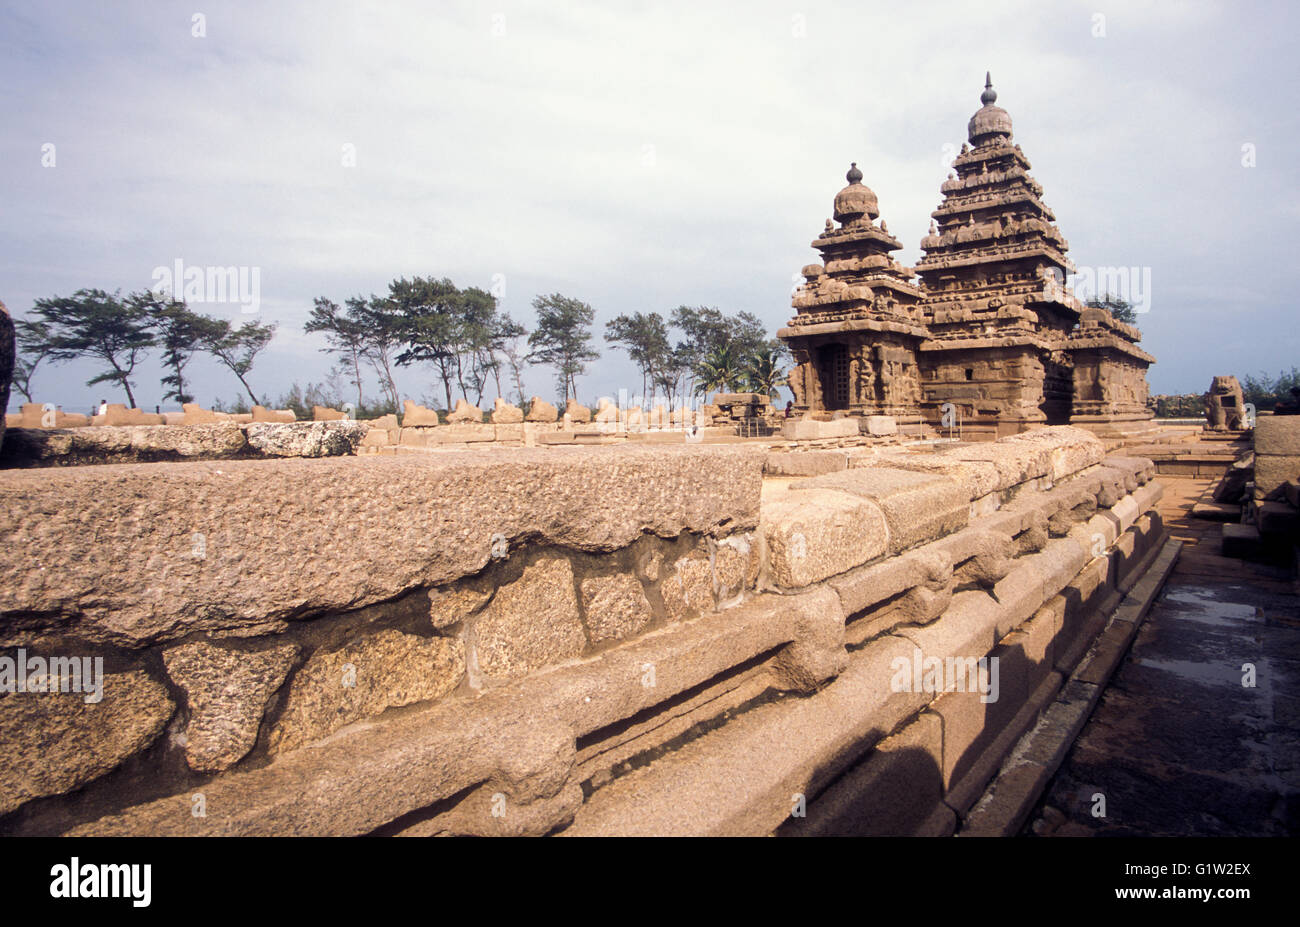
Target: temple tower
x: 998, y: 314
x: 857, y: 321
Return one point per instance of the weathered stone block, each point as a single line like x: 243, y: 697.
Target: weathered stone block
x: 1278, y: 435
x: 261, y: 414
x: 880, y: 425
x: 979, y: 477
x: 323, y: 414
x: 361, y: 679
x: 735, y: 565
x: 806, y: 429
x: 57, y: 742
x: 415, y: 414
x: 866, y: 586
x: 615, y: 606
x: 371, y: 529
x: 606, y: 412
x: 539, y: 410
x: 688, y: 589
x: 577, y: 413
x: 816, y: 534
x: 227, y: 692
x: 890, y: 794
x: 804, y: 463
x: 465, y: 413
x: 817, y: 653
x: 305, y: 439
x: 917, y: 507
x: 531, y: 623
x: 503, y: 413
x: 464, y: 433
x: 195, y: 414
x: 1273, y: 471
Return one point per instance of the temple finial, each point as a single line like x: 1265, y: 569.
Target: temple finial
x: 854, y: 175
x: 989, y: 95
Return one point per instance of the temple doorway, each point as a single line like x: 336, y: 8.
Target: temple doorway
x: 833, y: 369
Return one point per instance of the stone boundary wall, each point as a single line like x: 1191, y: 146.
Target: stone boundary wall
x: 63, y: 447
x: 577, y: 640
x: 1275, y: 502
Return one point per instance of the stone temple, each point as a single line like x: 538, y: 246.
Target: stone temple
x: 989, y: 326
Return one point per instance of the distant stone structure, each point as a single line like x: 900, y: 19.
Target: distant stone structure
x: 989, y: 328
x: 1223, y: 405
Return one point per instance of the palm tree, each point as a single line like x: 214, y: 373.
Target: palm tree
x: 764, y: 372
x: 719, y: 370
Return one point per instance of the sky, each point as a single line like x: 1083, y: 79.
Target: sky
x: 636, y: 156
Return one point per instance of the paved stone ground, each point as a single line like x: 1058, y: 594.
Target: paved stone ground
x: 1178, y: 745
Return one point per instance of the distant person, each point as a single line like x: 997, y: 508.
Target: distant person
x: 789, y: 407
x: 1289, y: 406
x: 103, y: 407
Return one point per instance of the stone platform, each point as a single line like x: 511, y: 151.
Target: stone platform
x: 596, y: 640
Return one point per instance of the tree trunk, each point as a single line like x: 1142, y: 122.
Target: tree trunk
x: 356, y: 368
x: 256, y: 401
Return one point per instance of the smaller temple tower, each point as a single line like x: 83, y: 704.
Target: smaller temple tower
x: 856, y: 327
x: 1110, y: 377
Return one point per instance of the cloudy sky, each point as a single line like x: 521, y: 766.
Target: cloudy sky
x: 635, y: 156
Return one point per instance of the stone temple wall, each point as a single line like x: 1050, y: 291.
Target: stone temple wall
x: 562, y: 640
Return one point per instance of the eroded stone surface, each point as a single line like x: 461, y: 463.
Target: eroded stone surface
x: 503, y: 413
x: 227, y: 692
x: 918, y: 507
x: 206, y: 551
x: 615, y: 605
x: 124, y: 444
x: 539, y: 410
x: 465, y: 413
x: 817, y: 533
x: 56, y: 742
x: 688, y: 588
x: 361, y: 679
x: 532, y: 622
x: 306, y: 439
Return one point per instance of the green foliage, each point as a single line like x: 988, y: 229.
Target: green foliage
x: 345, y: 337
x: 710, y: 335
x: 237, y: 406
x: 1266, y: 392
x: 180, y: 333
x: 562, y: 339
x: 33, y: 347
x: 303, y: 400
x: 1189, y: 405
x: 458, y: 331
x: 720, y: 369
x: 1121, y: 309
x: 237, y: 348
x: 645, y: 338
x: 99, y: 325
x: 765, y: 373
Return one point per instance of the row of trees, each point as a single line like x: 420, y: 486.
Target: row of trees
x: 470, y: 343
x: 460, y: 333
x: 119, y: 332
x: 715, y: 351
